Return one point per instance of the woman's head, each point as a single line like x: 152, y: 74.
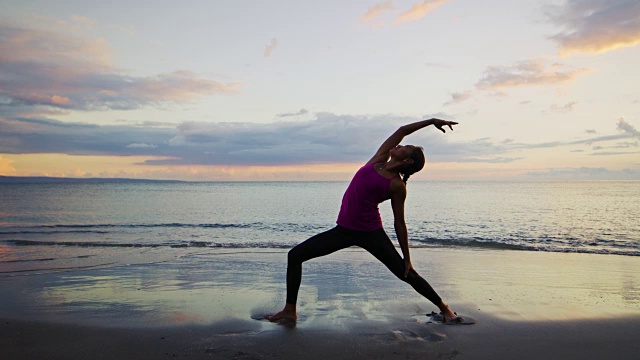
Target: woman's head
x: 412, y: 156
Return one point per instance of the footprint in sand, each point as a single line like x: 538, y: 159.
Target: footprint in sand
x: 408, y: 335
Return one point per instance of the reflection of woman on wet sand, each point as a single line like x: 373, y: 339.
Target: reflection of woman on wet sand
x: 359, y: 220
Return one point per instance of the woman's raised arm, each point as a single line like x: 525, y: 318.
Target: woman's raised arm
x: 382, y: 155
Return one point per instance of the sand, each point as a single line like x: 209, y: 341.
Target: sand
x: 529, y: 305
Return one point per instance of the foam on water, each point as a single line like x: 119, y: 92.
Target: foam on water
x: 47, y: 223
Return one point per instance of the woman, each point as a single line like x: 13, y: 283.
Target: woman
x: 359, y: 220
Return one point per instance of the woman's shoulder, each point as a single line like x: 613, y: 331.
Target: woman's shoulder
x: 397, y: 186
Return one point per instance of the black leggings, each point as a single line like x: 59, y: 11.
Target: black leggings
x: 375, y: 242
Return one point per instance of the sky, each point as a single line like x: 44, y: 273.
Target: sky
x: 308, y: 90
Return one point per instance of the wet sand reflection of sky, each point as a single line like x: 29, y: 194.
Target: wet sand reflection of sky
x: 346, y: 286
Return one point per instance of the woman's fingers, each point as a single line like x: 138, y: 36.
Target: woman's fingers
x: 407, y: 268
x: 440, y: 126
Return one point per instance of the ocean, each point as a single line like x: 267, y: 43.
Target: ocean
x: 51, y: 227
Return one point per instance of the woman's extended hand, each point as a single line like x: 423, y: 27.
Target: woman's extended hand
x: 440, y: 123
x: 407, y: 267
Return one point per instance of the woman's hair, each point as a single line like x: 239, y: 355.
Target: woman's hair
x: 418, y: 163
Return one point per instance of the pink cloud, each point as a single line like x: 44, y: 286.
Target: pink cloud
x: 418, y: 11
x: 87, y: 22
x: 459, y: 97
x: 269, y: 48
x: 376, y: 11
x: 178, y: 86
x: 527, y: 73
x: 563, y: 108
x: 45, y: 68
x: 43, y: 46
x: 596, y: 26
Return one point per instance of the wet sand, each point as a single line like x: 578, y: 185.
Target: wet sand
x: 529, y: 305
x: 491, y: 339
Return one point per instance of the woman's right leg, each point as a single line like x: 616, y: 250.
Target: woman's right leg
x: 319, y: 245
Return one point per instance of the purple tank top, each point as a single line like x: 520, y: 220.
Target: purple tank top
x: 359, y: 210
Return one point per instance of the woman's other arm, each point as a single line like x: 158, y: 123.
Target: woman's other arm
x: 398, y: 195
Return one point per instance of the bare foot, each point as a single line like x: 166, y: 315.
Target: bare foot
x: 449, y: 315
x: 446, y: 312
x: 287, y: 314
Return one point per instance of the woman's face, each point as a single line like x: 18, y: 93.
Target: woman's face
x: 402, y: 152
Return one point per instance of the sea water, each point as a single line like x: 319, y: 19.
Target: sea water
x: 48, y: 227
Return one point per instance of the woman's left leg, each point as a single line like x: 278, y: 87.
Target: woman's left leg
x: 379, y: 245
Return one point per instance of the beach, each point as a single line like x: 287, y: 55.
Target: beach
x: 159, y: 161
x: 205, y: 304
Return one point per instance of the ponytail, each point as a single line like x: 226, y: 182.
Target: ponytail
x: 418, y: 163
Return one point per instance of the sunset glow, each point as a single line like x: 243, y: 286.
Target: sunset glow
x: 245, y: 91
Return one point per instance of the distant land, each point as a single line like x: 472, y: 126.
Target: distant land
x: 47, y: 179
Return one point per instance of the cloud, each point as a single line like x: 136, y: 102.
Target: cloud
x: 269, y: 48
x: 43, y: 69
x: 524, y: 73
x: 627, y: 128
x: 590, y: 131
x: 6, y: 166
x: 595, y: 26
x: 619, y: 145
x: 325, y: 139
x: 553, y: 144
x: 141, y: 146
x: 376, y: 11
x: 87, y: 22
x: 298, y: 113
x: 33, y: 136
x: 493, y: 160
x: 459, y: 97
x: 626, y: 144
x: 527, y: 73
x: 562, y: 108
x: 418, y: 11
x: 320, y: 138
x: 628, y: 131
x: 609, y: 153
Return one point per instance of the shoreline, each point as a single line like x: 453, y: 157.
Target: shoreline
x: 528, y: 305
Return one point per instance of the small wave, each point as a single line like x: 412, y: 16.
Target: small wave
x: 190, y: 244
x: 57, y: 268
x: 45, y: 259
x: 79, y: 228
x: 476, y: 243
x: 77, y: 243
x: 25, y: 232
x: 161, y: 225
x: 547, y: 245
x: 498, y: 245
x: 27, y: 260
